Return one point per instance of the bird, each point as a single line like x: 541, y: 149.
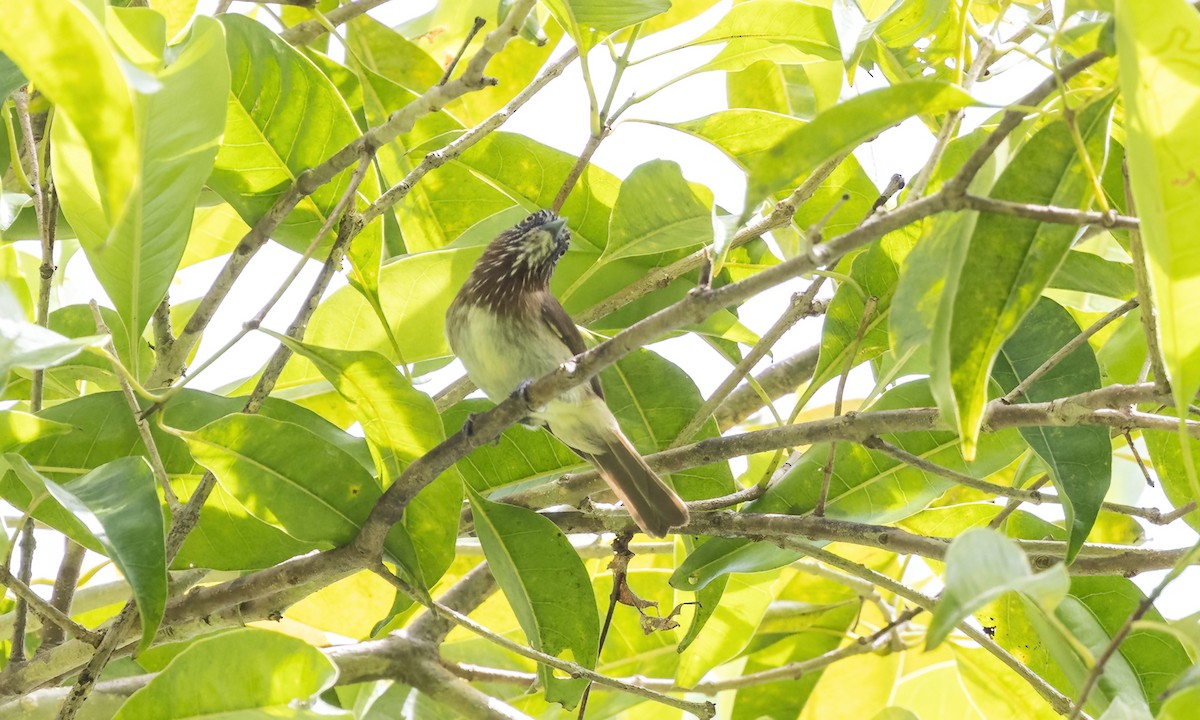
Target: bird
x: 507, y: 328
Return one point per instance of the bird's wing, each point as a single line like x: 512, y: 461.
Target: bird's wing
x: 563, y: 327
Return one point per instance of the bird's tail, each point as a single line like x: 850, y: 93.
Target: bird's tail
x: 653, y: 504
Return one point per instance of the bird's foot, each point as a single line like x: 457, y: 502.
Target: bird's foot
x: 522, y: 392
x: 468, y: 426
x: 468, y: 429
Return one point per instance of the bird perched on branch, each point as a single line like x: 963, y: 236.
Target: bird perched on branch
x: 508, y: 328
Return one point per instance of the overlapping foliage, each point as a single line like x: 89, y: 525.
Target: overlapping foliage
x: 960, y: 545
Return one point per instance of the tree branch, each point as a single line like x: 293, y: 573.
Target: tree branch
x: 703, y: 710
x: 45, y: 610
x: 778, y: 379
x: 305, y: 32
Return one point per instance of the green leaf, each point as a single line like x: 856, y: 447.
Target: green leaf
x: 606, y: 16
x: 416, y: 310
x: 18, y: 428
x: 658, y: 210
x: 1146, y: 662
x: 177, y: 122
x: 531, y: 173
x: 730, y: 628
x: 401, y: 424
x: 392, y: 71
x: 1010, y: 260
x: 102, y: 430
x: 520, y: 455
x: 1079, y: 458
x: 1160, y: 85
x: 1087, y: 272
x: 289, y: 477
x: 244, y: 673
x: 798, y: 90
x: 286, y: 116
x: 866, y: 486
x: 48, y: 509
x: 744, y: 135
x: 547, y: 587
x: 1171, y: 468
x: 77, y: 321
x: 842, y: 128
x: 810, y: 617
x: 980, y: 565
x: 118, y: 503
x: 995, y: 690
x: 25, y: 345
x: 80, y: 73
x: 808, y: 27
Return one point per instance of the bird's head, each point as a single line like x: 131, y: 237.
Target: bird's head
x: 519, y: 262
x: 535, y: 244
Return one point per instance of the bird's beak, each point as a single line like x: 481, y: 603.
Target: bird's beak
x: 555, y: 226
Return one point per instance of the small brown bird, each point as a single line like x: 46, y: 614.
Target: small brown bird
x: 507, y: 328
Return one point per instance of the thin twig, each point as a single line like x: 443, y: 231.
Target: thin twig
x: 950, y: 124
x: 1072, y: 345
x: 274, y: 366
x: 920, y: 463
x: 827, y: 473
x: 475, y: 28
x: 1050, y: 213
x: 437, y: 158
x: 45, y: 209
x: 581, y: 163
x: 16, y: 653
x: 1145, y: 294
x: 1013, y: 503
x: 778, y: 379
x: 143, y: 427
x: 1137, y: 457
x: 801, y: 306
x: 619, y: 565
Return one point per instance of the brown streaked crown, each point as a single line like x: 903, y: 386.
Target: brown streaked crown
x: 521, y: 260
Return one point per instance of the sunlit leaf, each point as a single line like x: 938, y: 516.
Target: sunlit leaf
x: 177, y: 123
x: 284, y: 117
x: 81, y: 74
x: 1160, y: 83
x: 657, y: 210
x: 842, y: 128
x: 260, y: 673
x: 25, y: 345
x: 982, y: 564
